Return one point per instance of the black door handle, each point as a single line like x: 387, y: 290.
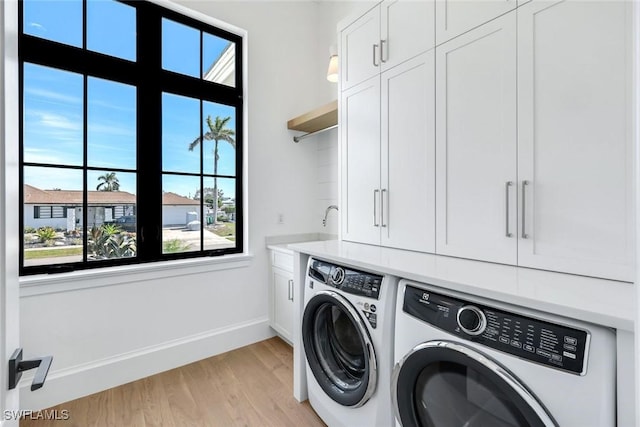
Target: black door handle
x: 17, y: 366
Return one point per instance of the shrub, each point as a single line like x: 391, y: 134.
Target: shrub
x: 175, y: 245
x: 29, y: 230
x: 105, y: 242
x: 110, y: 229
x: 46, y: 234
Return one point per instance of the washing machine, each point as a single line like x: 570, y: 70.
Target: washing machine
x: 468, y: 361
x: 347, y: 334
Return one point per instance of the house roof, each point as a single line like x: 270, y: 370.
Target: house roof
x: 36, y: 196
x: 175, y: 199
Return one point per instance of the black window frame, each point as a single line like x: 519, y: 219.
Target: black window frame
x: 151, y: 81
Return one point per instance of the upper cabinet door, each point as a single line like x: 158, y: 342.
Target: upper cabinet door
x: 574, y: 132
x: 408, y: 155
x: 408, y: 29
x: 456, y: 17
x: 476, y: 143
x: 360, y: 49
x: 360, y: 162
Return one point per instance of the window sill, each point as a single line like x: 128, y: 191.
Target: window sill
x: 113, y: 276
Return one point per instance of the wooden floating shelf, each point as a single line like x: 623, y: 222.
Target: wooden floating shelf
x: 316, y: 119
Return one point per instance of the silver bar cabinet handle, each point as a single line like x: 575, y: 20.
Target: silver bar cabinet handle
x: 384, y: 190
x: 506, y: 191
x: 290, y: 296
x: 375, y: 213
x: 382, y: 57
x: 524, y: 198
x: 375, y: 47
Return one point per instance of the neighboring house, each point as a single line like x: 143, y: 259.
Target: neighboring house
x: 62, y: 209
x: 223, y: 69
x: 178, y: 210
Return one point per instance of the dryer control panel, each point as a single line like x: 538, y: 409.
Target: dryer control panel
x: 550, y: 344
x: 346, y: 279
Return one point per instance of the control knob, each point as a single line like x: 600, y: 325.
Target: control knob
x: 471, y: 320
x: 337, y: 276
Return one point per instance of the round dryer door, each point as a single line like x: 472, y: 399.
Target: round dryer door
x: 338, y: 348
x: 443, y: 383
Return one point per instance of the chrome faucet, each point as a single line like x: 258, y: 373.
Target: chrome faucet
x: 326, y: 213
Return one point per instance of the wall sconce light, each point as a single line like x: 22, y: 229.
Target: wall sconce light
x: 332, y: 71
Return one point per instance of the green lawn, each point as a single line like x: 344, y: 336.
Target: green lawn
x: 50, y: 253
x: 225, y: 229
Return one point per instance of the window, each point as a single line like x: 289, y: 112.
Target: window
x: 131, y: 135
x: 48, y: 212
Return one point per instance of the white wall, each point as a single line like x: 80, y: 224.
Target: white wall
x: 177, y: 215
x: 136, y: 324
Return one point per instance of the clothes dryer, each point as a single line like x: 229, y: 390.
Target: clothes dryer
x: 464, y: 360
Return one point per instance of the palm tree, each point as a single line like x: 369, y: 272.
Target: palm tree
x: 109, y: 182
x: 217, y: 132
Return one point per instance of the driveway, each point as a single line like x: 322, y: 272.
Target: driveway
x: 211, y: 240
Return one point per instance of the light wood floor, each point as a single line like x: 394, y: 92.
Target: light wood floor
x: 250, y: 386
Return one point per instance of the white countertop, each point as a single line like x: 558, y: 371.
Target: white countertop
x: 603, y: 302
x: 281, y: 243
x: 281, y: 247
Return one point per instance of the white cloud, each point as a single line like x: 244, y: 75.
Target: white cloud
x: 58, y: 121
x: 53, y: 95
x: 38, y: 26
x: 110, y: 129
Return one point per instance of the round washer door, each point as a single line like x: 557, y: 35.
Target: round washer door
x: 443, y: 383
x: 338, y: 348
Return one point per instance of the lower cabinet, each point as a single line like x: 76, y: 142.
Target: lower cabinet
x: 281, y: 293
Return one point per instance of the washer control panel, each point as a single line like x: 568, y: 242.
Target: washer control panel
x: 346, y: 279
x: 550, y: 344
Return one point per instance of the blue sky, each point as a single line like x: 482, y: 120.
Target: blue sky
x: 53, y: 102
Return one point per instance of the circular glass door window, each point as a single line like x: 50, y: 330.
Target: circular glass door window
x: 338, y: 349
x: 444, y: 383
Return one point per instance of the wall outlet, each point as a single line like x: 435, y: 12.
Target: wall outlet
x: 280, y: 218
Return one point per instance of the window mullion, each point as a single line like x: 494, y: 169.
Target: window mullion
x: 85, y: 190
x: 149, y: 135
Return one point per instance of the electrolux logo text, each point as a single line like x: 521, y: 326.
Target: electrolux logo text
x: 47, y: 414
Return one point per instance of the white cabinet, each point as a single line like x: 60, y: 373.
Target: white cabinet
x: 407, y: 29
x: 456, y: 17
x: 574, y: 137
x: 532, y: 106
x: 360, y: 162
x: 408, y: 155
x: 387, y: 35
x: 476, y: 143
x: 388, y: 156
x: 550, y: 186
x: 359, y: 49
x: 282, y: 293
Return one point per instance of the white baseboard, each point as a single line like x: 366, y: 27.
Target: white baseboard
x: 72, y: 383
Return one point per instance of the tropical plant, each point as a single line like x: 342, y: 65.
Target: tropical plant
x: 106, y: 241
x: 109, y: 182
x: 46, y: 234
x: 110, y: 229
x: 97, y: 243
x: 218, y: 131
x: 122, y: 245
